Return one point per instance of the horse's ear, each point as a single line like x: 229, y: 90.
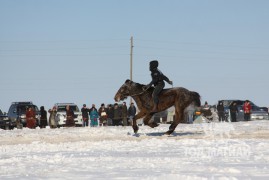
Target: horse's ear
x: 128, y: 81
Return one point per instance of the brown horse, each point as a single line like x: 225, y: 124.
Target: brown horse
x: 179, y: 97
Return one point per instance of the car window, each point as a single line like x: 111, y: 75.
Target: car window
x: 63, y: 108
x: 22, y: 109
x: 255, y: 108
x: 74, y: 108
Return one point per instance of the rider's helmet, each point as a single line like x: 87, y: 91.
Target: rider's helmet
x: 153, y: 64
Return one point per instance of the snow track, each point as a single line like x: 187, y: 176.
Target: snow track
x: 197, y: 151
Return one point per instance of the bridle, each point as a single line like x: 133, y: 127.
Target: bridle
x: 136, y: 94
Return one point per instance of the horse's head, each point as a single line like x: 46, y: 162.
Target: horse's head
x: 125, y: 90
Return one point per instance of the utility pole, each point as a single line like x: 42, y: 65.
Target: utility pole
x: 131, y: 64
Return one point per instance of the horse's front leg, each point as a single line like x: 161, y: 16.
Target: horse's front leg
x: 138, y: 116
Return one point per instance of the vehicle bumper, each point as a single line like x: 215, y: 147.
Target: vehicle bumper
x: 259, y: 117
x: 5, y: 123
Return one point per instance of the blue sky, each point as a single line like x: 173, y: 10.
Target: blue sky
x: 79, y: 50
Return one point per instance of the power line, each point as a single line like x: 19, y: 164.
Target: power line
x: 63, y: 41
x: 202, y: 44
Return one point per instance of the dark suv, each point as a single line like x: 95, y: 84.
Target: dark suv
x: 17, y: 113
x: 5, y: 123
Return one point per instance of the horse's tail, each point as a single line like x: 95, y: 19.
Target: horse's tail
x: 196, y: 98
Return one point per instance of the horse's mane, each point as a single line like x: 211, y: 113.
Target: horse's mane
x: 138, y: 85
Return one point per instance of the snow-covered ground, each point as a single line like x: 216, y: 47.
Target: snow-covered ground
x: 195, y: 151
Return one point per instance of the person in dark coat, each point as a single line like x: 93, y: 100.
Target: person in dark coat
x: 220, y: 109
x: 69, y: 117
x: 43, y: 117
x: 85, y: 115
x: 124, y: 113
x: 110, y: 114
x: 117, y: 116
x: 131, y: 113
x: 233, y: 111
x: 158, y: 79
x: 102, y: 115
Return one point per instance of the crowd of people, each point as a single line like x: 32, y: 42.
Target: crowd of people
x: 223, y: 113
x: 115, y: 115
x: 234, y: 111
x: 110, y: 115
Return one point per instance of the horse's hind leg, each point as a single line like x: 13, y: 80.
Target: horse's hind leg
x: 179, y: 115
x: 150, y: 124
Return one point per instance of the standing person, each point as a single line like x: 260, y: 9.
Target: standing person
x: 69, y: 117
x: 30, y: 118
x: 247, y: 110
x: 206, y: 106
x: 94, y: 116
x: 103, y: 115
x: 233, y: 111
x: 43, y: 117
x: 170, y: 115
x: 85, y: 115
x: 124, y: 113
x: 158, y: 79
x: 117, y: 117
x: 52, y: 119
x: 220, y: 109
x: 92, y: 108
x: 190, y: 111
x: 110, y: 114
x: 131, y: 113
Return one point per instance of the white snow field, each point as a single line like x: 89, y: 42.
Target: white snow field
x: 194, y: 151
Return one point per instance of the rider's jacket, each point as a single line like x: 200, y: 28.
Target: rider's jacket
x: 158, y: 77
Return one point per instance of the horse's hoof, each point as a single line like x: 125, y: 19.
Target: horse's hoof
x: 135, y: 129
x: 153, y: 125
x: 169, y: 132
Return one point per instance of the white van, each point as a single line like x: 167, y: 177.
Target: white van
x: 61, y: 113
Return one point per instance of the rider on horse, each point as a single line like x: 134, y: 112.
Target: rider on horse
x: 158, y: 79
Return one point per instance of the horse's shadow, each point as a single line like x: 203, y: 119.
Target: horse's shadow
x: 159, y: 134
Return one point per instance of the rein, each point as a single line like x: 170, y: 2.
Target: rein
x: 134, y: 94
x: 137, y: 93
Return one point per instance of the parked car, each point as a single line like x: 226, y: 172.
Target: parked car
x: 257, y: 113
x: 5, y: 123
x: 264, y: 108
x: 61, y: 113
x: 17, y: 113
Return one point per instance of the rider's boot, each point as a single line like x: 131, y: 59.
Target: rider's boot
x: 155, y: 109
